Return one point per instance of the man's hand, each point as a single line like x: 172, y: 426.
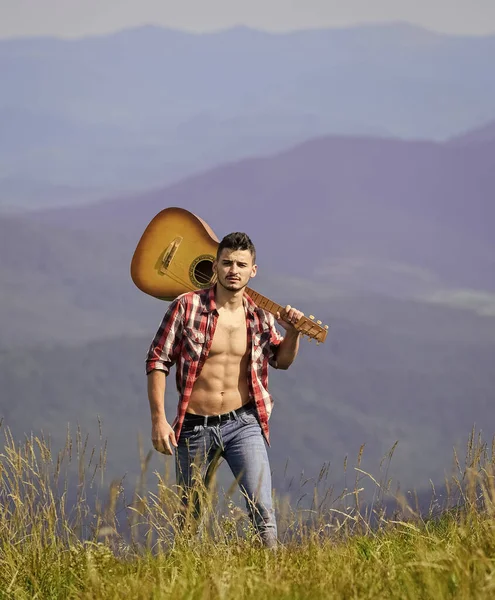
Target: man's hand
x: 163, y: 437
x: 288, y: 318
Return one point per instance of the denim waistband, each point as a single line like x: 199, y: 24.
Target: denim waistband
x: 190, y: 419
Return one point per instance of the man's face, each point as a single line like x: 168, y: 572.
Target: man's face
x: 234, y: 269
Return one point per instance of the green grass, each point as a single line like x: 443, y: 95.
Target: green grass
x: 51, y: 547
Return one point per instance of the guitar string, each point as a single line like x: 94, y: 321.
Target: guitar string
x: 181, y: 282
x: 202, y: 279
x: 199, y: 277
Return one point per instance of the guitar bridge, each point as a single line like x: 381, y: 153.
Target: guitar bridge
x: 169, y: 253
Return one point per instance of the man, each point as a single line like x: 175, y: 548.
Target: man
x: 222, y: 344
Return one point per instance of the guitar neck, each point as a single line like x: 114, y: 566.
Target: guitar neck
x: 304, y: 325
x: 264, y: 302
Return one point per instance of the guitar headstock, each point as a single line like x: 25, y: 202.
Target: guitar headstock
x: 312, y: 328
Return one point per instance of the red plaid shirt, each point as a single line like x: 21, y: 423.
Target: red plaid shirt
x: 185, y: 336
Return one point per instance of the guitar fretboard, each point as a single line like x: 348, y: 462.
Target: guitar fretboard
x: 305, y: 326
x: 264, y: 302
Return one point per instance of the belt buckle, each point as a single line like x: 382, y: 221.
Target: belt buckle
x: 211, y: 419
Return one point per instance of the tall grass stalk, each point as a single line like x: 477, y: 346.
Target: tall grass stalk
x: 63, y: 535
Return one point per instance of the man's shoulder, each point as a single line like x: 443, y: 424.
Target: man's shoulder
x: 192, y: 300
x: 192, y: 297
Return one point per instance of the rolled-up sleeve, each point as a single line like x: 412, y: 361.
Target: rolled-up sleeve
x: 275, y: 341
x: 164, y: 348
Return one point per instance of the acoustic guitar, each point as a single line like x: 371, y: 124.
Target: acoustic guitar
x: 175, y: 255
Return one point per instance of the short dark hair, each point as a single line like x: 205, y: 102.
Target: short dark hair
x: 237, y: 241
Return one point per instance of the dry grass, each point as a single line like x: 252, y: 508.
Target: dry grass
x: 59, y: 538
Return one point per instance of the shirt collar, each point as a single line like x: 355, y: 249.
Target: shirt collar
x: 208, y: 298
x: 249, y: 305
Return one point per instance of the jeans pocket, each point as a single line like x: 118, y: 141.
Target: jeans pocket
x: 248, y: 417
x: 190, y: 433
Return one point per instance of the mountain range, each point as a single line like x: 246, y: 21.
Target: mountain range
x: 387, y: 241
x: 371, y: 383
x: 388, y: 216
x: 361, y: 162
x: 101, y: 116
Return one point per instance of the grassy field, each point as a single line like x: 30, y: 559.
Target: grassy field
x: 114, y: 547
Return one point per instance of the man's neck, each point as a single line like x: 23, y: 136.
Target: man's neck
x: 228, y: 300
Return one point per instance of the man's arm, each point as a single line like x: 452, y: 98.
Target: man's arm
x: 288, y: 349
x: 289, y: 346
x: 162, y: 354
x: 162, y: 434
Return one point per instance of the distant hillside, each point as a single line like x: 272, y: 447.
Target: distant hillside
x: 57, y: 284
x: 335, y: 216
x: 389, y: 242
x: 367, y: 384
x: 19, y: 192
x: 148, y: 106
x: 483, y: 134
x: 417, y: 212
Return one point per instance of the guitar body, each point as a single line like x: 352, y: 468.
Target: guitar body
x: 174, y: 255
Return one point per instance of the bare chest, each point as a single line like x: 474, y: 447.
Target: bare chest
x: 230, y: 336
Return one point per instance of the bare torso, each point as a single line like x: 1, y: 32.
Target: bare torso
x: 223, y: 383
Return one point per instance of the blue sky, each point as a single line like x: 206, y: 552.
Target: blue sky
x: 73, y: 18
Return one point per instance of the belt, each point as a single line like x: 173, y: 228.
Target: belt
x: 190, y: 419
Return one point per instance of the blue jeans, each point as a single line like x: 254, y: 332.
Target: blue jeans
x: 240, y: 442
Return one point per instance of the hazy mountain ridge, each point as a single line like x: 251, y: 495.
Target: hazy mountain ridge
x: 481, y: 135
x: 231, y: 88
x: 339, y: 216
x: 340, y: 224
x: 365, y: 385
x: 356, y: 197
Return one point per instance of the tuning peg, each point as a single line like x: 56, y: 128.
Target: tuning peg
x: 326, y: 326
x: 319, y: 322
x: 312, y: 317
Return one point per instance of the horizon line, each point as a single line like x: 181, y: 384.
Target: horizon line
x: 241, y: 26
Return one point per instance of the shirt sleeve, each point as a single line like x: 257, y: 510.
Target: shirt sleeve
x: 275, y: 341
x: 165, y: 347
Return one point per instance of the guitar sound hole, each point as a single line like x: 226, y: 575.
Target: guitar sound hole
x: 203, y: 272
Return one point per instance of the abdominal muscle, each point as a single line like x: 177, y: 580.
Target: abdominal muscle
x: 223, y: 383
